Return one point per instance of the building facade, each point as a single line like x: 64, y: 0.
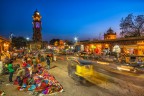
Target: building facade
x: 4, y: 45
x: 132, y: 46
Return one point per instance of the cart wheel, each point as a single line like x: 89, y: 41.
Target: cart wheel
x: 85, y: 82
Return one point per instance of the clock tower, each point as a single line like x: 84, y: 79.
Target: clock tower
x: 37, y: 36
x: 37, y: 42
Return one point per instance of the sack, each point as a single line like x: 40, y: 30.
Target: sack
x: 15, y: 82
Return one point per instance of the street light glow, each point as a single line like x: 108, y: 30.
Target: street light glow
x: 76, y: 39
x: 37, y: 13
x: 27, y: 38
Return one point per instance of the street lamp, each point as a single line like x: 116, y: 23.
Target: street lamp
x: 27, y: 41
x: 27, y: 38
x: 76, y: 39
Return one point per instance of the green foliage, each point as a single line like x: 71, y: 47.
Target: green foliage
x: 19, y: 42
x: 52, y: 42
x: 68, y: 42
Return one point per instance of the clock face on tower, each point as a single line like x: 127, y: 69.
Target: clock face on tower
x: 37, y: 24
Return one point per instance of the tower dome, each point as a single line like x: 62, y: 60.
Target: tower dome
x: 36, y: 16
x: 110, y: 34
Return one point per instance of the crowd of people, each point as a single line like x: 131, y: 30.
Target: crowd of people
x: 33, y: 75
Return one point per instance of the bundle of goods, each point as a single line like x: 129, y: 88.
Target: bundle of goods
x: 41, y: 82
x: 2, y: 93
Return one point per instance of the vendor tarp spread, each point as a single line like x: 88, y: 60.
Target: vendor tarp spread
x: 41, y: 81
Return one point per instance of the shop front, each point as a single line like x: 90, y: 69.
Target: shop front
x: 117, y: 50
x: 140, y: 49
x: 133, y: 49
x: 106, y: 49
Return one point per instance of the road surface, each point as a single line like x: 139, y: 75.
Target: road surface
x: 112, y: 82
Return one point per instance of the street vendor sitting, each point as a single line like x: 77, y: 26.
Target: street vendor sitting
x: 40, y: 69
x: 34, y: 69
x: 34, y: 61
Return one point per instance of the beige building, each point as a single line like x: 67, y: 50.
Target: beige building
x: 132, y: 46
x: 4, y: 45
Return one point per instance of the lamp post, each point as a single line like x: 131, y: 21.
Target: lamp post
x: 27, y: 39
x: 75, y: 44
x: 76, y: 39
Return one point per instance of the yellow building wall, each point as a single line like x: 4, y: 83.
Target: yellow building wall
x: 140, y: 50
x: 110, y: 37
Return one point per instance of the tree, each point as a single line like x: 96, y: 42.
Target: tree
x: 52, y: 42
x: 132, y: 26
x: 19, y: 42
x: 68, y: 42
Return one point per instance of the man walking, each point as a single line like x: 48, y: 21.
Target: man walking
x: 48, y: 61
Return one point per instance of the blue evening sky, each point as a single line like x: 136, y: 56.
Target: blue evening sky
x: 65, y: 19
